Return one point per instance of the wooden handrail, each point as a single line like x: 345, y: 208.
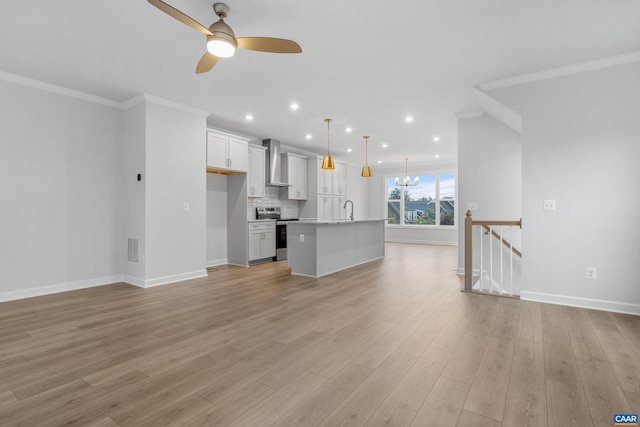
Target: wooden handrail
x: 504, y: 242
x: 492, y: 223
x: 468, y: 244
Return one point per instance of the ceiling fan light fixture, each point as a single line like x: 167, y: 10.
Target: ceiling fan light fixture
x: 221, y: 48
x: 222, y: 43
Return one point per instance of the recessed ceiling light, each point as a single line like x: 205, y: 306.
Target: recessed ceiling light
x: 436, y: 138
x: 294, y: 106
x: 348, y: 130
x: 308, y: 136
x: 249, y: 117
x: 437, y: 156
x: 349, y: 150
x: 379, y: 161
x: 408, y: 119
x: 385, y: 145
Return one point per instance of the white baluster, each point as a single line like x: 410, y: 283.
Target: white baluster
x: 491, y: 258
x: 481, y: 260
x: 511, y: 262
x: 501, y: 257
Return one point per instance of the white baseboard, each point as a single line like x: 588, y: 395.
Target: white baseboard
x: 62, y: 287
x: 135, y: 281
x: 238, y: 265
x: 340, y: 269
x: 217, y: 262
x: 595, y: 304
x: 421, y: 242
x: 165, y: 280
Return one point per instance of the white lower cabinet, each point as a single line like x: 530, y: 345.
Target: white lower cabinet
x: 262, y: 240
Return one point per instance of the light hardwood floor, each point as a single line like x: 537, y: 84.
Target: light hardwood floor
x: 391, y: 342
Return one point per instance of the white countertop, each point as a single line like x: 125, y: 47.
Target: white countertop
x: 340, y: 221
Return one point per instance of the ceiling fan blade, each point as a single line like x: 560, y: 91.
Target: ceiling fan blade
x: 268, y: 44
x: 185, y: 19
x: 206, y: 63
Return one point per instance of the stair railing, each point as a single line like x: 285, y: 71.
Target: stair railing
x: 487, y: 228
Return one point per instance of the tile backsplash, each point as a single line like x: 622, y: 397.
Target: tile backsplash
x: 272, y: 199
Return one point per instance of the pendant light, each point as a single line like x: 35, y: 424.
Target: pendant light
x: 407, y: 179
x: 327, y: 162
x: 366, y: 170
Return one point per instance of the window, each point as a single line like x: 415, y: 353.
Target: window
x: 431, y: 202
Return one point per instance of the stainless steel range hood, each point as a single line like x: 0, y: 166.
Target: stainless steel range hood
x: 273, y: 172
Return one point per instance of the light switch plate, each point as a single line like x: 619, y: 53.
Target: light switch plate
x: 186, y: 206
x: 549, y: 205
x: 302, y: 238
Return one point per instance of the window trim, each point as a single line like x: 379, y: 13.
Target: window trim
x: 437, y: 225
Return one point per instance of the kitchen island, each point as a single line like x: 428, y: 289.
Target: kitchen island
x: 318, y: 248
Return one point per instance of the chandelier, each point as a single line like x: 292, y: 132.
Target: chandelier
x: 405, y: 182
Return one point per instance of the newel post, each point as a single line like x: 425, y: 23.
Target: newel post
x: 468, y: 251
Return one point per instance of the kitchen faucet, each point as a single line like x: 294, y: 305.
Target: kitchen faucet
x: 345, y: 207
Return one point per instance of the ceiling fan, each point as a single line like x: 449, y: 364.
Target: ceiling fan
x: 221, y: 41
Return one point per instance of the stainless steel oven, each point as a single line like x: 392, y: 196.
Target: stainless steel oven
x: 281, y: 238
x: 281, y: 228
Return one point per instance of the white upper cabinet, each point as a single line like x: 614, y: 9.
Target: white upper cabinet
x: 294, y: 171
x: 340, y: 180
x: 226, y: 152
x: 339, y: 211
x: 325, y: 206
x: 256, y: 173
x: 324, y: 179
x: 332, y: 181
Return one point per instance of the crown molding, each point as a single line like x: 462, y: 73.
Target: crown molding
x: 562, y: 71
x: 471, y: 115
x: 499, y: 111
x: 60, y: 90
x: 138, y: 99
x: 173, y: 105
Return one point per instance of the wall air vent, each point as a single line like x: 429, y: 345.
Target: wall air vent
x: 132, y: 250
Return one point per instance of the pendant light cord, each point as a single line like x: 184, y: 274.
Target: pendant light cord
x: 366, y: 151
x: 328, y: 137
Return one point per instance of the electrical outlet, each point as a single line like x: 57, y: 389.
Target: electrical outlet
x: 302, y: 238
x: 549, y: 205
x: 592, y: 273
x: 472, y: 206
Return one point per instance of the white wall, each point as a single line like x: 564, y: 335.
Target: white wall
x: 489, y: 173
x: 581, y: 147
x: 60, y: 181
x: 176, y: 174
x: 216, y: 219
x: 133, y: 208
x: 378, y: 209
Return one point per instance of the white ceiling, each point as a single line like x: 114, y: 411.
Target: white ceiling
x: 366, y: 64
